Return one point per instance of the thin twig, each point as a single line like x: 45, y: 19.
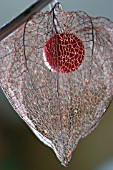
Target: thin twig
x: 24, y: 16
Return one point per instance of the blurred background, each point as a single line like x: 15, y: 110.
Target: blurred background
x: 19, y: 148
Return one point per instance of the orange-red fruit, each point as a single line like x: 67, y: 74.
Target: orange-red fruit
x: 64, y: 52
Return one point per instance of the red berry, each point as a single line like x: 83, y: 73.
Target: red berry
x: 64, y: 52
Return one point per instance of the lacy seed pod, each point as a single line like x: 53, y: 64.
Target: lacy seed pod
x: 57, y: 72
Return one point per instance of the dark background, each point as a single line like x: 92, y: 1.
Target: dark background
x: 19, y: 148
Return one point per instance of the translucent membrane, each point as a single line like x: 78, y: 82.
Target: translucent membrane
x: 57, y: 72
